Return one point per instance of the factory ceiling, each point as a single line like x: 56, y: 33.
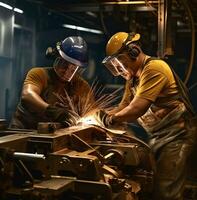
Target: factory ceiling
x: 112, y: 16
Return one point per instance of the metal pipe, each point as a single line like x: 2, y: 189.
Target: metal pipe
x: 21, y: 155
x: 109, y: 155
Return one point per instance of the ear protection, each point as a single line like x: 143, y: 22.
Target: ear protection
x: 133, y: 50
x: 131, y: 47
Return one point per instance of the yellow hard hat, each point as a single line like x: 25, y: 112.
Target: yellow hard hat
x: 119, y: 40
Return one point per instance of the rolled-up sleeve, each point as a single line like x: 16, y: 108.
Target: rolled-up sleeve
x: 152, y: 82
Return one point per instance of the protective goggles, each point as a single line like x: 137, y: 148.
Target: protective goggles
x: 115, y: 65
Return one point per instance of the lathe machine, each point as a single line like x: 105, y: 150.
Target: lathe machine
x: 81, y: 162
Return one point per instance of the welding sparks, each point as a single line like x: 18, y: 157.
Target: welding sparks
x: 84, y: 110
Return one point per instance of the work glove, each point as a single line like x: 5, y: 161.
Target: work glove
x: 105, y: 118
x: 61, y: 114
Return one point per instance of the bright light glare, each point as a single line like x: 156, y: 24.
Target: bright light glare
x: 18, y: 10
x: 82, y: 28
x: 89, y: 120
x: 10, y: 8
x: 5, y: 5
x: 92, y: 120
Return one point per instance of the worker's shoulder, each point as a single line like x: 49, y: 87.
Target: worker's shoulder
x: 158, y: 65
x: 38, y: 71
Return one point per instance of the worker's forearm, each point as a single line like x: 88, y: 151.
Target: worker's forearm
x: 117, y: 109
x: 129, y: 114
x: 136, y: 108
x: 34, y: 102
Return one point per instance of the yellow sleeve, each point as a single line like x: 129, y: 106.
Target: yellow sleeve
x: 152, y: 82
x: 37, y: 77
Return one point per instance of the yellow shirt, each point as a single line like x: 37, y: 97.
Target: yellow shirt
x: 157, y: 82
x: 38, y: 77
x: 78, y: 89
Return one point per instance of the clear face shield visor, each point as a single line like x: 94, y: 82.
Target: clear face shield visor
x: 66, y: 70
x: 70, y: 72
x: 115, y: 66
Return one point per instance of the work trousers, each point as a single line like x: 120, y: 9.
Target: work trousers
x: 171, y: 167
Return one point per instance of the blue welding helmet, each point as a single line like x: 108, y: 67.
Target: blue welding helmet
x: 74, y: 50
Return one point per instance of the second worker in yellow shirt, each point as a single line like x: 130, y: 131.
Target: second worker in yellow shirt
x: 158, y: 100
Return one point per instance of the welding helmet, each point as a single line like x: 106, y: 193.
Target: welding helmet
x: 74, y: 50
x: 73, y: 54
x: 118, y: 43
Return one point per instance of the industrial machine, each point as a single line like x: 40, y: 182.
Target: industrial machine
x: 85, y: 162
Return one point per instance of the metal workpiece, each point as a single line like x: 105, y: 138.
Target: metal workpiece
x: 83, y: 162
x: 47, y: 127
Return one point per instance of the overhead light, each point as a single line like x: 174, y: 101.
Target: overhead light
x: 91, y: 14
x: 11, y: 8
x: 5, y: 5
x: 18, y: 10
x: 82, y: 28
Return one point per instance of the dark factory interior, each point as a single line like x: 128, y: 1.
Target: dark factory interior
x: 121, y: 124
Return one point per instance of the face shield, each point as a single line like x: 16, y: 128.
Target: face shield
x: 116, y: 66
x: 65, y: 70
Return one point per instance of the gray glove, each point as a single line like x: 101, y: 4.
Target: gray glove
x: 61, y: 114
x: 105, y: 118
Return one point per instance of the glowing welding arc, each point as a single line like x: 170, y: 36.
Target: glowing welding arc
x: 89, y: 120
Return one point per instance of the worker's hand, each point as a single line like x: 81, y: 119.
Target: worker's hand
x: 105, y: 118
x: 61, y: 114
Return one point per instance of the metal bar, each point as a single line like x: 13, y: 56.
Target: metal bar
x: 71, y: 8
x: 21, y: 155
x: 26, y: 172
x: 161, y: 29
x: 129, y: 2
x: 109, y: 155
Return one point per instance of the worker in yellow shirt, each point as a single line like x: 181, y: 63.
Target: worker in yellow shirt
x: 55, y: 94
x: 158, y: 100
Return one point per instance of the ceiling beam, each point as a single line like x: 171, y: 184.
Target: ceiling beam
x: 95, y: 7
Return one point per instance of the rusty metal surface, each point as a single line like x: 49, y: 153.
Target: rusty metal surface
x: 16, y: 141
x: 60, y: 138
x: 55, y: 185
x: 101, y: 162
